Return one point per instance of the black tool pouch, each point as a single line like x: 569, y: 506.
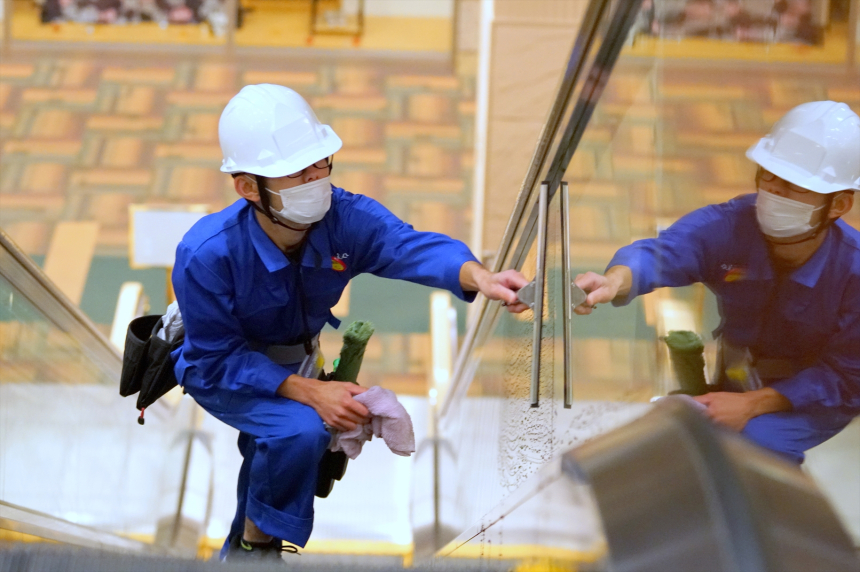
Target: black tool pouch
x: 134, y: 358
x: 147, y: 366
x: 332, y: 466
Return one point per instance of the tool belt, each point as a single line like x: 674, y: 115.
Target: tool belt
x: 282, y: 354
x: 739, y: 370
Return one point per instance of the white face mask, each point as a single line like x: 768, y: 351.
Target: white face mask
x: 781, y: 217
x: 305, y: 204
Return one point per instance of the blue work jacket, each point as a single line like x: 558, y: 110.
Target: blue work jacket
x: 810, y: 317
x: 238, y: 291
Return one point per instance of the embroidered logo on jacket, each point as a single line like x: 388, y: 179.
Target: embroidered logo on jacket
x: 734, y: 273
x: 337, y: 264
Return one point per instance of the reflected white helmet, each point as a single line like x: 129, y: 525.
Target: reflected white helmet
x: 271, y: 131
x: 815, y: 146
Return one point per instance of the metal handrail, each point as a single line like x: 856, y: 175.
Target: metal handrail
x: 20, y: 270
x: 28, y: 521
x: 602, y: 63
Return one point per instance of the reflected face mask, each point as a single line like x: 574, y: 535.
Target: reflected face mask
x: 781, y: 217
x: 305, y: 204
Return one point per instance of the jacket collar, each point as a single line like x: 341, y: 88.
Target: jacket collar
x: 811, y: 271
x: 317, y: 253
x: 761, y: 265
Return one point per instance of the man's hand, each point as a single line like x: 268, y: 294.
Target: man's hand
x: 602, y: 289
x: 332, y: 400
x: 495, y: 286
x: 734, y: 410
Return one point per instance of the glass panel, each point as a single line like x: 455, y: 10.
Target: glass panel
x: 482, y: 427
x: 34, y: 350
x: 664, y: 139
x: 494, y: 441
x: 554, y: 526
x: 69, y: 444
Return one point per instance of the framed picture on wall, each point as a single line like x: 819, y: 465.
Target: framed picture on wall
x: 770, y: 21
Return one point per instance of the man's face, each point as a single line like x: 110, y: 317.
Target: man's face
x: 768, y: 182
x: 310, y: 173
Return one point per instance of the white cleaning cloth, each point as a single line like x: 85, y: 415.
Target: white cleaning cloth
x: 172, y: 320
x: 388, y: 420
x: 686, y: 399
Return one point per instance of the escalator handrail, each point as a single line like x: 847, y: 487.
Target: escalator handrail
x: 25, y: 275
x: 42, y: 525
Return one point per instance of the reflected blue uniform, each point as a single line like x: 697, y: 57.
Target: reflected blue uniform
x: 238, y: 293
x: 810, y: 316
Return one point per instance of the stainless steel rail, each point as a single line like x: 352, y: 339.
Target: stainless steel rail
x: 537, y: 337
x: 566, y: 306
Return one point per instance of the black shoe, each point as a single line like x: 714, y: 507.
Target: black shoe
x: 242, y: 550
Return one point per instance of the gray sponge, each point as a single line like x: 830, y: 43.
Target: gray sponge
x: 686, y: 350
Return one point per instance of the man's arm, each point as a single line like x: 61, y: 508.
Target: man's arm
x: 495, y: 286
x: 332, y: 400
x: 388, y: 247
x: 832, y: 382
x: 216, y: 347
x: 678, y: 256
x: 734, y: 410
x: 602, y: 289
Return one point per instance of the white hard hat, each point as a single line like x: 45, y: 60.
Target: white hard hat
x: 815, y: 146
x: 270, y: 130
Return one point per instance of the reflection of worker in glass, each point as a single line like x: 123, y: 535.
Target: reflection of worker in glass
x: 786, y: 273
x: 256, y: 283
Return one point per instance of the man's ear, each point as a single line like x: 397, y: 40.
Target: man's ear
x: 842, y: 203
x: 246, y: 187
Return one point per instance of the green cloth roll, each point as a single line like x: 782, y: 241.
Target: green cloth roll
x: 686, y: 350
x: 355, y: 340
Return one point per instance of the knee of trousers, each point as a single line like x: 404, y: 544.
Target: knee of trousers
x: 302, y: 439
x: 767, y: 432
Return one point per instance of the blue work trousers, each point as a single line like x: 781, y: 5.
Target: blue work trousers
x: 282, y: 442
x: 791, y: 433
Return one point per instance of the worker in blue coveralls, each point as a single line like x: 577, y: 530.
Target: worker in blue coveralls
x: 786, y: 274
x: 256, y: 283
